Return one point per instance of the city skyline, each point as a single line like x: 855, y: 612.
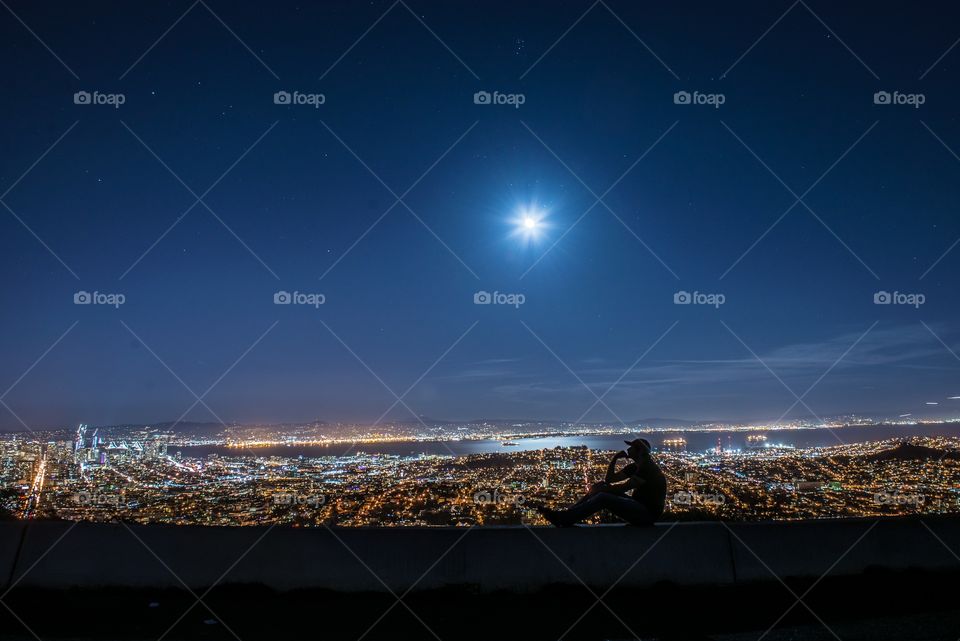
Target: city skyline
x: 144, y: 476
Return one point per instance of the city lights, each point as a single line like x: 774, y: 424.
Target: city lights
x: 304, y: 476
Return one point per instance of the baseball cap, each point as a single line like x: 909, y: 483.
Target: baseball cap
x: 642, y: 443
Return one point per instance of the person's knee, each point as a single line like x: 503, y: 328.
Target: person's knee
x: 605, y: 499
x: 597, y: 498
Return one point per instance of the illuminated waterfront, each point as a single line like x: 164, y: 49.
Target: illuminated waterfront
x: 696, y: 441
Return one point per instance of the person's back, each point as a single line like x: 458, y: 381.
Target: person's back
x: 653, y: 492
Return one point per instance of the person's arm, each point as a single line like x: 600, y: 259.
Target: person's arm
x: 612, y: 475
x: 621, y: 487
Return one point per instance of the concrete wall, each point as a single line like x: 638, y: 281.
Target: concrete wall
x: 63, y: 555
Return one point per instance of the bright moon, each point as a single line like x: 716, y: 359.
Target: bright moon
x: 530, y: 224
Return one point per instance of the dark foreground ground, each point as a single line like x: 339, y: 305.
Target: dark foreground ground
x: 882, y: 605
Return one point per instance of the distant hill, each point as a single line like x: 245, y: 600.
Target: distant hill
x: 909, y: 452
x: 210, y: 427
x: 658, y: 423
x: 182, y: 426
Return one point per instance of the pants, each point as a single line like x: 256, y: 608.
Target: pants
x: 628, y: 509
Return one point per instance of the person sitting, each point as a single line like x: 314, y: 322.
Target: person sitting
x: 637, y: 493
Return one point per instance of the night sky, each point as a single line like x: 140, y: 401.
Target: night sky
x: 297, y: 197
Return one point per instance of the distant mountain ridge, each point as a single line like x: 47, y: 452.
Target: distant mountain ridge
x: 666, y: 422
x: 907, y: 451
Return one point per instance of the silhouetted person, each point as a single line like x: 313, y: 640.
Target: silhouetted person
x: 642, y: 479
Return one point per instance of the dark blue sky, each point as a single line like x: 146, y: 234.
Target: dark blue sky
x: 285, y: 216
